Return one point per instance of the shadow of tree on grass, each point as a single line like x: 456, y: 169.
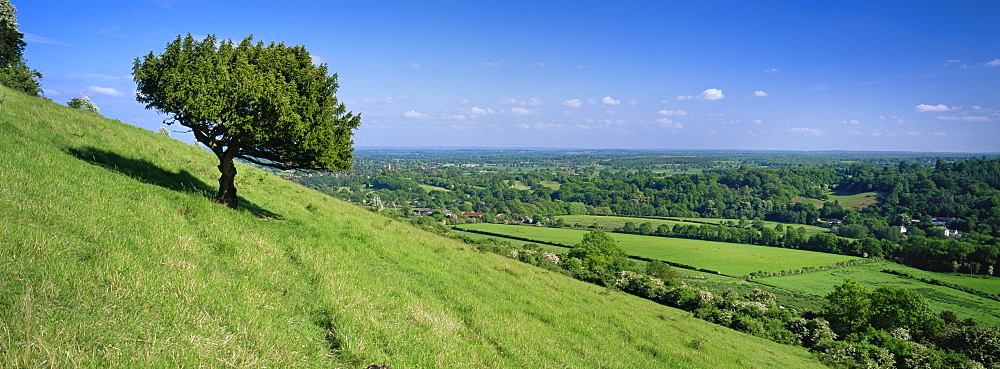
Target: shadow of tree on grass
x: 148, y: 172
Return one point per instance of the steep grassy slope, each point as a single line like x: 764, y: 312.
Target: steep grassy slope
x: 111, y: 255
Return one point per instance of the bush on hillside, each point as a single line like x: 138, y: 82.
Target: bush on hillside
x: 83, y: 103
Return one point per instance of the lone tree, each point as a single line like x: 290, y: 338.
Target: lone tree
x: 265, y: 104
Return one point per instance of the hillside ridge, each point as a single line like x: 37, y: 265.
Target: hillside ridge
x: 113, y: 255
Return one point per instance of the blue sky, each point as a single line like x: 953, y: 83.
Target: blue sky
x: 765, y: 75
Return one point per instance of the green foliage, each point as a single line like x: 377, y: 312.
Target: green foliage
x: 848, y: 308
x: 978, y: 342
x: 266, y: 104
x: 852, y: 308
x: 14, y: 71
x: 663, y: 271
x: 84, y: 103
x: 601, y: 255
x: 893, y: 308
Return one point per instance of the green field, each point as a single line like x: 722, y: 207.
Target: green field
x: 821, y: 283
x: 855, y: 201
x: 683, y: 273
x: 518, y: 185
x: 727, y: 258
x: 429, y: 188
x: 113, y: 256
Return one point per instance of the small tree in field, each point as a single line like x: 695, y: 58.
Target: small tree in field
x: 265, y: 104
x: 83, y: 103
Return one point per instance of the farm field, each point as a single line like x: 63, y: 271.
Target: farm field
x: 978, y: 283
x: 856, y: 201
x: 518, y: 185
x: 727, y: 258
x: 810, y: 229
x: 940, y: 298
x: 683, y: 273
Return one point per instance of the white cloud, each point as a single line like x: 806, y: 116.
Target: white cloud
x: 923, y: 108
x: 757, y: 121
x: 573, y: 103
x: 415, y: 115
x: 388, y: 100
x: 965, y: 118
x: 534, y: 101
x: 709, y: 94
x: 416, y: 66
x: 108, y: 91
x: 520, y: 111
x: 671, y: 113
x: 496, y: 63
x: 480, y: 111
x: 807, y: 131
x: 51, y: 92
x: 940, y: 134
x: 771, y: 70
x: 36, y: 39
x: 316, y: 59
x: 760, y: 93
x: 852, y: 121
x: 455, y: 116
x: 972, y: 118
x: 668, y: 123
x: 608, y: 100
x: 993, y: 63
x: 540, y: 126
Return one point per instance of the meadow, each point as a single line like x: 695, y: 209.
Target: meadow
x: 115, y: 257
x: 855, y: 201
x: 965, y: 305
x: 726, y: 258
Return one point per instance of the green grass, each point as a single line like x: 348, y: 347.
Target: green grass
x: 429, y: 188
x: 855, y: 201
x: 113, y: 256
x: 940, y: 298
x: 728, y: 258
x: 683, y: 273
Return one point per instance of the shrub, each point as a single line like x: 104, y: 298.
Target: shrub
x: 83, y: 103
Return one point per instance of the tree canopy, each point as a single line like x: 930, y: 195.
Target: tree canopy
x: 265, y: 104
x: 14, y: 71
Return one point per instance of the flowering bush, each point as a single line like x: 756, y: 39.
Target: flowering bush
x: 83, y: 103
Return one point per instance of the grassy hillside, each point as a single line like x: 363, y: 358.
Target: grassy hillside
x: 112, y: 255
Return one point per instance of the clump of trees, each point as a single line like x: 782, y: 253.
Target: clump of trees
x: 14, y: 70
x: 266, y: 104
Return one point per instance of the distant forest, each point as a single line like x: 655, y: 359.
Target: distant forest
x: 938, y: 212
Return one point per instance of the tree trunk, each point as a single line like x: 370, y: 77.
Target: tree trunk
x: 227, y: 182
